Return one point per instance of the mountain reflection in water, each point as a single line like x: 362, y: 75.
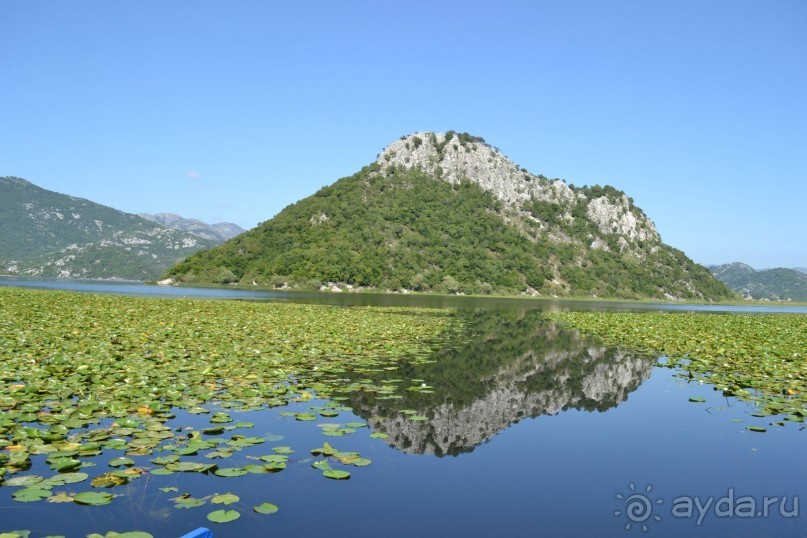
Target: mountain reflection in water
x: 507, y: 365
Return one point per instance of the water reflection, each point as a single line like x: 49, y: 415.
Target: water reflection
x: 507, y: 365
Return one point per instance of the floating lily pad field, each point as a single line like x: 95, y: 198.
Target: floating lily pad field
x: 99, y: 392
x: 757, y: 358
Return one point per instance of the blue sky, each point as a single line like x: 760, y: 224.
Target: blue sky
x: 233, y: 110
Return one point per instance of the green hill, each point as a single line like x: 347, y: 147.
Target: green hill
x: 44, y: 233
x: 449, y: 213
x: 773, y: 284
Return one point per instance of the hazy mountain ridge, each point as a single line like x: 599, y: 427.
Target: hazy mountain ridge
x: 218, y: 232
x: 449, y: 213
x: 44, y: 233
x: 780, y: 284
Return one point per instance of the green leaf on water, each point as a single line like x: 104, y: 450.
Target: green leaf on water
x: 72, y: 478
x: 322, y: 465
x: 186, y: 467
x: 697, y: 400
x: 275, y: 466
x: 756, y: 429
x: 336, y: 474
x: 230, y: 471
x: 93, y: 498
x: 356, y: 424
x: 225, y: 498
x: 220, y: 418
x: 121, y: 462
x: 188, y: 502
x: 274, y: 458
x: 30, y: 494
x: 65, y: 464
x: 160, y: 471
x: 223, y: 516
x: 265, y: 508
x: 25, y: 480
x: 165, y: 460
x: 61, y: 497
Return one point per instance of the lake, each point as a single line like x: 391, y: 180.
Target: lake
x: 522, y: 428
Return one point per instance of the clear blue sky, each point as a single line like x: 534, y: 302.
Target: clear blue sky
x: 231, y: 110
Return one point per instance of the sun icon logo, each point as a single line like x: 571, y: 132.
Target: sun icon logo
x: 638, y: 507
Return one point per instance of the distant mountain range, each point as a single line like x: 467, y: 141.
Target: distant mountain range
x: 769, y: 284
x: 218, y: 232
x: 44, y: 233
x: 447, y: 212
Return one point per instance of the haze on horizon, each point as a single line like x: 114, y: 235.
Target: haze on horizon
x: 229, y: 112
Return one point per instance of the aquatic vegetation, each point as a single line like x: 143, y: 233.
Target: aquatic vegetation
x: 757, y: 358
x: 83, y: 375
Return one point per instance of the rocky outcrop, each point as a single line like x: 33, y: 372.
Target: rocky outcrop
x: 616, y: 217
x: 460, y: 157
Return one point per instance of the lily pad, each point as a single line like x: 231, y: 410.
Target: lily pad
x: 121, y: 462
x: 186, y: 467
x: 24, y: 480
x: 230, y: 471
x: 356, y: 424
x: 265, y: 508
x: 93, y: 498
x: 225, y: 498
x: 322, y: 465
x: 223, y: 516
x: 72, y: 478
x: 188, y: 502
x: 30, y: 494
x: 336, y: 474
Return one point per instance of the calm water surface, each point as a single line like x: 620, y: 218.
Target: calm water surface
x: 532, y: 430
x: 141, y: 289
